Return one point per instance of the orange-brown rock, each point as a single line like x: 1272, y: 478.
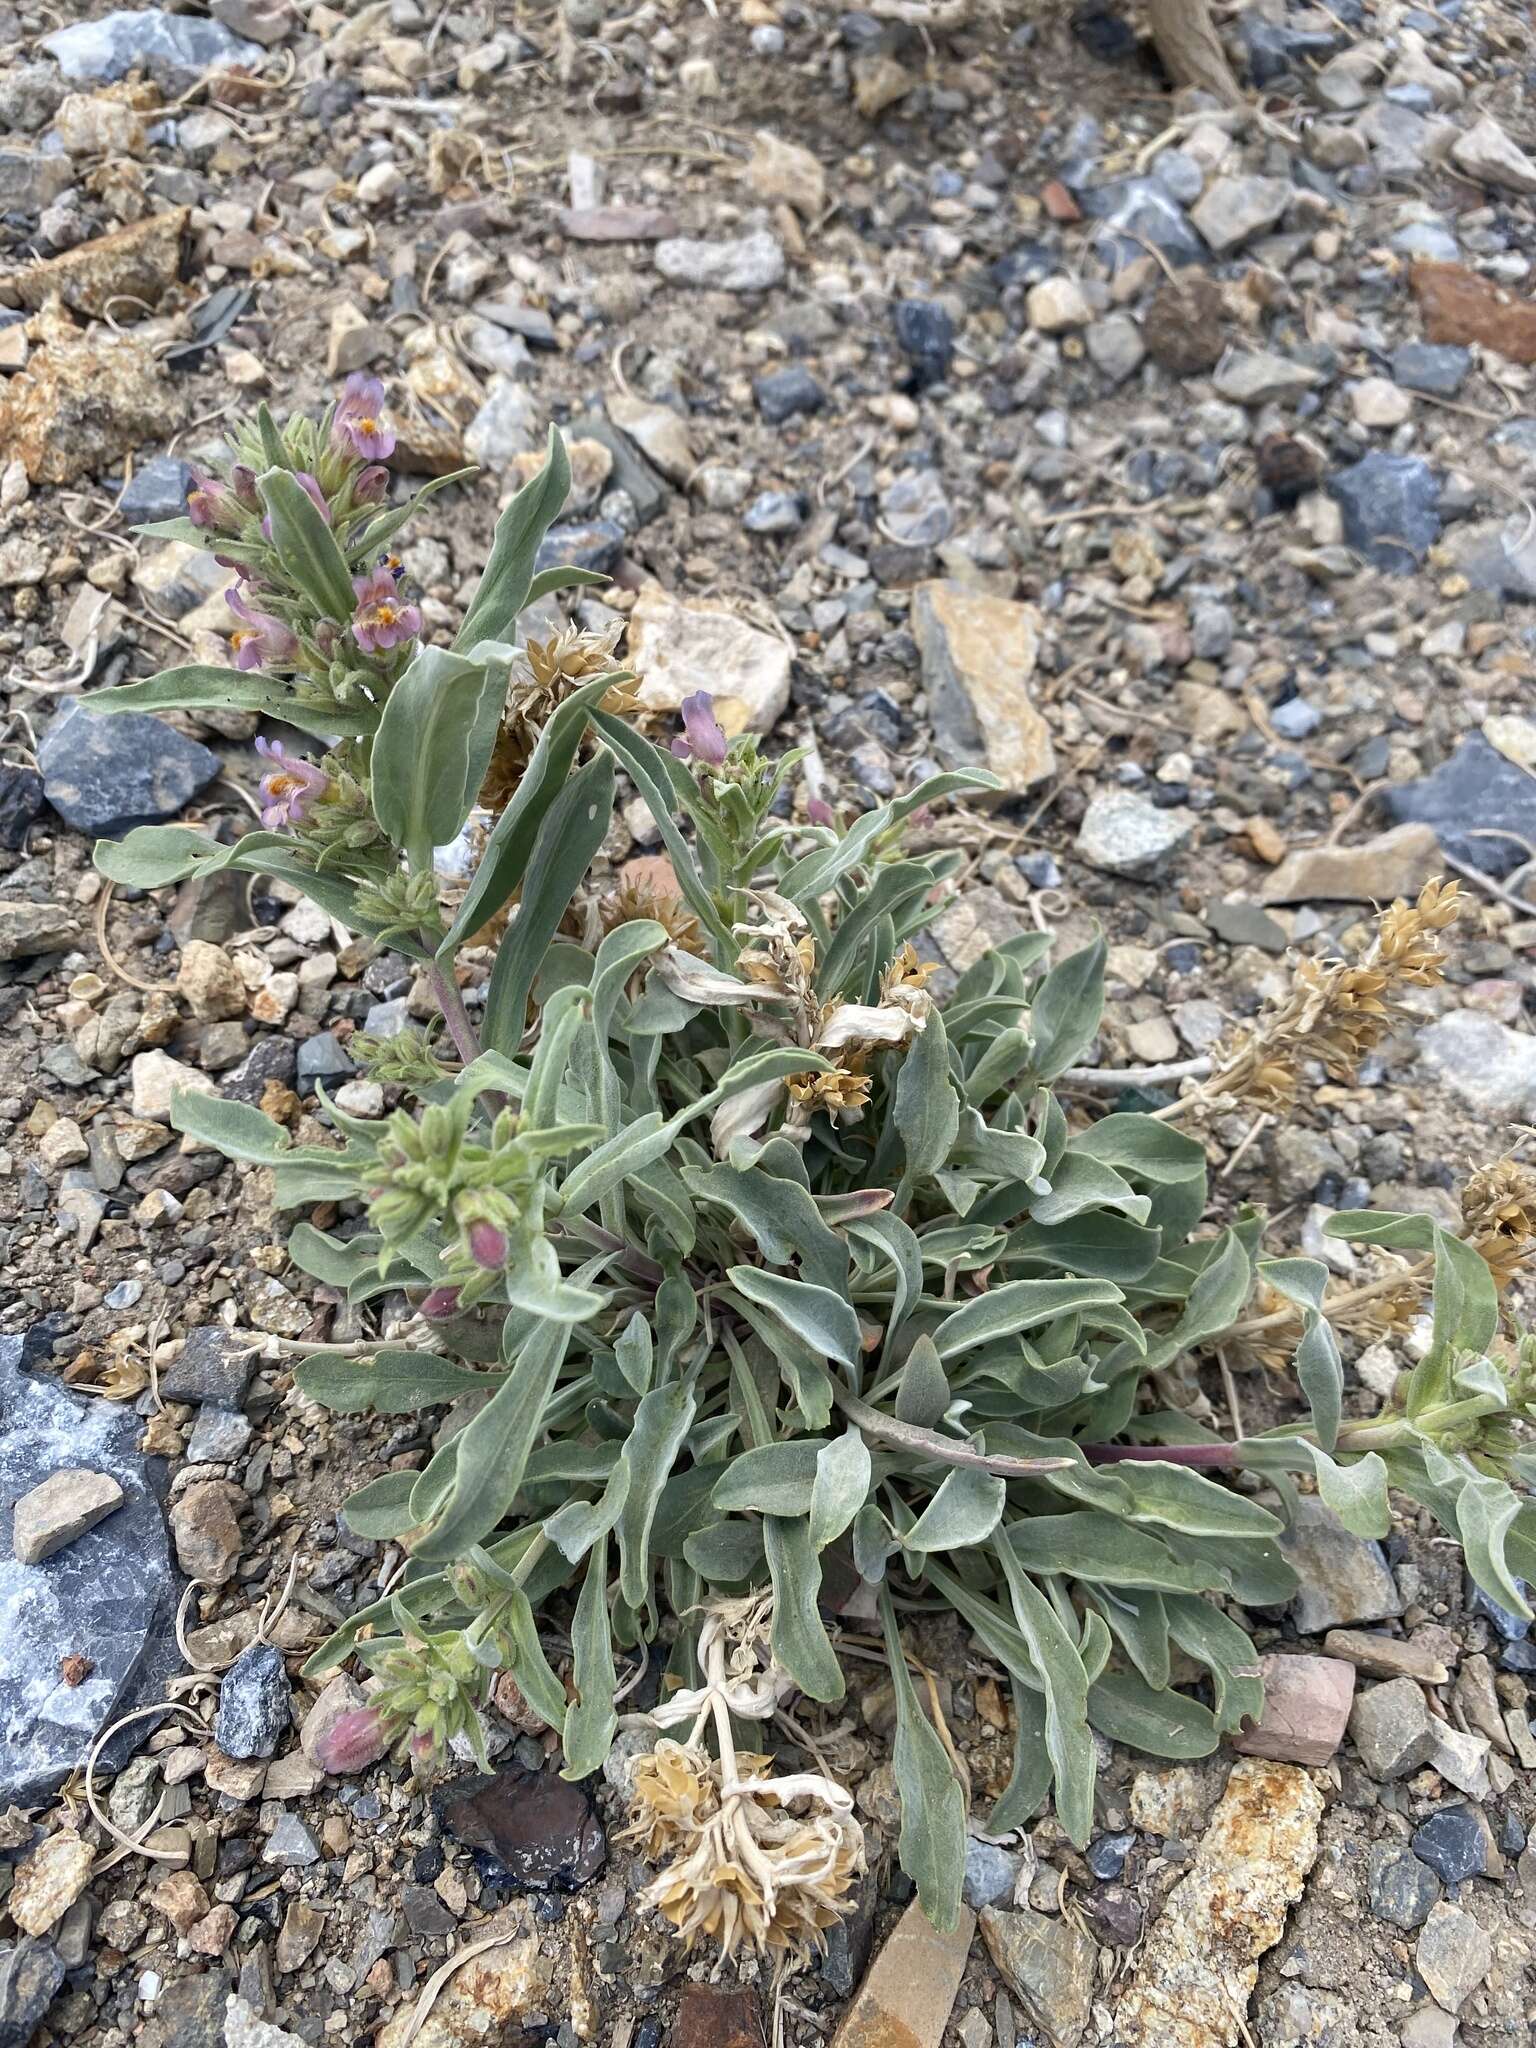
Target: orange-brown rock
x: 83, y: 400
x: 1461, y: 307
x: 135, y: 266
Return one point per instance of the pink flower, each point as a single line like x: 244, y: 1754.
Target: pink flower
x: 289, y: 786
x: 381, y: 621
x: 211, y: 503
x: 359, y: 423
x: 440, y: 1304
x: 242, y: 481
x: 370, y: 484
x: 262, y: 638
x: 819, y: 811
x: 352, y: 1742
x: 488, y: 1246
x: 703, y: 736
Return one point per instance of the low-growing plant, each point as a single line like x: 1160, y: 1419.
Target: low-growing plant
x: 779, y: 1286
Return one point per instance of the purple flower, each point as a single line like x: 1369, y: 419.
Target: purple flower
x: 441, y: 1303
x: 262, y: 638
x: 212, y: 504
x: 819, y: 811
x: 288, y: 787
x: 488, y: 1246
x: 359, y: 423
x: 242, y: 481
x: 370, y: 484
x: 703, y: 736
x: 381, y: 621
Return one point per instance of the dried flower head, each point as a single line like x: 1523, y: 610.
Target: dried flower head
x: 1498, y: 1206
x: 633, y: 900
x: 841, y: 1091
x: 1336, y: 1012
x: 540, y: 681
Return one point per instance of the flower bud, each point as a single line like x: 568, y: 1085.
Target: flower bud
x: 488, y: 1246
x: 352, y: 1742
x: 440, y: 1304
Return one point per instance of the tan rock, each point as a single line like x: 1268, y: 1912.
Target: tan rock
x: 486, y: 1995
x: 658, y: 432
x: 62, y: 1508
x: 156, y: 1078
x: 1395, y: 863
x: 978, y: 654
x: 879, y: 82
x: 206, y: 1527
x: 909, y: 1992
x: 83, y: 400
x: 140, y: 261
x: 678, y: 647
x: 210, y: 982
x: 1306, y: 1709
x: 1056, y: 305
x: 1380, y: 1656
x: 181, y: 1898
x: 781, y: 172
x: 90, y: 124
x: 50, y: 1881
x: 591, y: 466
x: 1201, y: 1960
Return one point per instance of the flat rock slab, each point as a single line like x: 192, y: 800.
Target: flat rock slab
x: 909, y: 1993
x: 109, y: 1597
x: 1306, y: 1709
x: 54, y: 1514
x: 679, y: 648
x: 108, y: 774
x: 1477, y: 790
x: 1201, y: 1960
x: 978, y: 654
x: 1395, y: 863
x: 536, y: 1831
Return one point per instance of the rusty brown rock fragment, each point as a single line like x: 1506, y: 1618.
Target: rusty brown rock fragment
x: 1201, y: 1960
x: 1461, y: 307
x: 83, y: 400
x: 134, y: 266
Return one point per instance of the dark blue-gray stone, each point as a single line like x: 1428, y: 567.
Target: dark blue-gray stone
x: 211, y: 1366
x: 269, y: 1059
x: 255, y: 1703
x: 925, y: 334
x: 1141, y: 208
x: 1437, y: 367
x: 158, y: 490
x: 582, y: 544
x: 31, y: 1972
x: 1455, y: 1843
x: 775, y: 512
x: 109, y: 1596
x: 781, y: 394
x: 990, y: 1873
x: 149, y: 37
x: 21, y: 798
x: 323, y: 1058
x: 1275, y: 50
x: 1514, y: 1628
x: 1403, y: 1889
x: 104, y: 775
x: 648, y: 490
x: 1477, y: 788
x: 1106, y: 1855
x: 1391, y: 509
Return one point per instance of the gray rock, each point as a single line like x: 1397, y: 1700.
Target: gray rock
x: 1483, y: 1061
x: 1211, y: 630
x: 1477, y: 787
x: 1437, y: 367
x: 990, y: 1873
x: 774, y: 512
x: 1453, y: 1956
x: 1115, y: 347
x: 30, y: 179
x: 1429, y: 239
x: 1259, y: 377
x: 187, y: 44
x: 1393, y: 1729
x: 323, y: 1058
x: 1136, y: 210
x: 290, y: 1846
x: 1123, y: 834
x: 1343, y: 1578
x: 255, y: 1704
x: 189, y: 2013
x: 1180, y: 176
x: 750, y: 263
x: 582, y: 544
x: 782, y: 394
x: 1295, y: 719
x: 1391, y: 509
x: 110, y: 1595
x: 105, y: 775
x: 31, y: 1972
x: 29, y: 929
x: 30, y: 96
x: 1049, y: 1963
x: 245, y: 2028
x: 219, y: 1435
x: 212, y: 1366
x: 915, y: 511
x: 645, y: 487
x: 388, y: 1020
x: 1402, y: 1889
x: 1234, y: 210
x: 158, y: 489
x: 1456, y: 1843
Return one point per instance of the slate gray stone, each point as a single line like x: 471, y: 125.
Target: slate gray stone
x: 1437, y: 367
x: 781, y: 394
x: 211, y: 1367
x: 1456, y: 1843
x: 148, y: 36
x: 990, y: 1874
x: 582, y: 544
x: 1344, y: 1579
x: 219, y: 1435
x: 111, y: 1595
x: 158, y: 489
x: 1391, y: 509
x: 31, y: 1972
x: 255, y: 1703
x: 105, y: 775
x: 1402, y: 1889
x: 323, y: 1058
x: 1136, y: 210
x: 647, y: 489
x: 1477, y: 787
